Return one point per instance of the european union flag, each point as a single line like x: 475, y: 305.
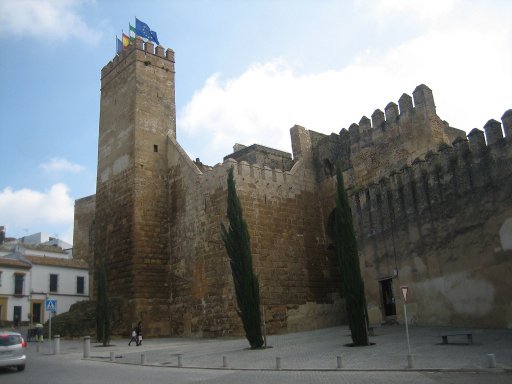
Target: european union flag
x: 154, y: 37
x: 143, y: 30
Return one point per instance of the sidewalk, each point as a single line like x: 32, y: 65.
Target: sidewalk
x: 317, y: 350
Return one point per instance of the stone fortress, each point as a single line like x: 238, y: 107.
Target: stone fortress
x: 432, y: 210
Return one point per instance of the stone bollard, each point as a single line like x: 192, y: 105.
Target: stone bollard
x: 339, y: 362
x: 491, y: 358
x: 278, y: 363
x: 224, y: 361
x: 56, y: 344
x: 410, y: 361
x: 180, y: 362
x: 112, y: 356
x: 143, y: 358
x: 87, y: 347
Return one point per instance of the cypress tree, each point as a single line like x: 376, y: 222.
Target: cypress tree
x: 237, y: 242
x: 102, y: 307
x: 352, y: 282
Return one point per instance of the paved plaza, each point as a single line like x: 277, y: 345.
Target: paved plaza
x: 319, y: 350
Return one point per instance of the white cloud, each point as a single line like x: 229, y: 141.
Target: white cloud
x: 418, y: 10
x: 45, y: 19
x: 47, y: 211
x: 463, y: 55
x: 58, y: 164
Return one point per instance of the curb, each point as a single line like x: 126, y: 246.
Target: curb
x: 102, y: 359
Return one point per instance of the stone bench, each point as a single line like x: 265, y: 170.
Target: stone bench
x: 469, y: 336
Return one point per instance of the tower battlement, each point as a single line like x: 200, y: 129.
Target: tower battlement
x: 145, y: 52
x: 395, y: 120
x: 388, y: 141
x: 441, y: 175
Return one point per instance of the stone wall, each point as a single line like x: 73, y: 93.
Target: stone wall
x: 83, y: 234
x: 389, y: 141
x: 200, y: 295
x: 298, y: 274
x: 115, y: 177
x: 438, y: 226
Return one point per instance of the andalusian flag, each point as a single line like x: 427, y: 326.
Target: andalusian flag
x: 132, y: 32
x: 126, y: 41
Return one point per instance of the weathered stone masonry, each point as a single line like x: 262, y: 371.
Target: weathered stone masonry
x: 131, y: 219
x: 438, y: 225
x: 297, y: 273
x: 428, y: 214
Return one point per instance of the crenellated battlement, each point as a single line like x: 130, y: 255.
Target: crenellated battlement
x: 388, y: 141
x: 141, y: 51
x: 395, y: 120
x: 437, y: 177
x: 260, y: 177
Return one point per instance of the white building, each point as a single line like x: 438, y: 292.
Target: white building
x: 41, y: 238
x: 29, y: 274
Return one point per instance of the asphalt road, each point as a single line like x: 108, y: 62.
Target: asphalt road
x: 65, y: 369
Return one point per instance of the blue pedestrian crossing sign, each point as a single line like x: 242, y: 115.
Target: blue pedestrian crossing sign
x: 51, y: 305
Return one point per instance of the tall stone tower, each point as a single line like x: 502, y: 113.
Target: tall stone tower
x: 137, y: 113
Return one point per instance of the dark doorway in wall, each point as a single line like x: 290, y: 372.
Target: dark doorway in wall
x: 36, y: 312
x: 388, y: 298
x: 17, y: 315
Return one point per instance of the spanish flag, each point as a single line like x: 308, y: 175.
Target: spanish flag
x: 126, y: 41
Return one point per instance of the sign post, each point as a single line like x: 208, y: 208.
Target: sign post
x: 405, y: 290
x: 51, y: 306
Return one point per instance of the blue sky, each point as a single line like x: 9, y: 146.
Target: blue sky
x: 246, y: 71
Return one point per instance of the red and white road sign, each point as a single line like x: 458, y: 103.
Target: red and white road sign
x: 404, y: 289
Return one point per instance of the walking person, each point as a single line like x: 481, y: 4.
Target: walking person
x: 134, y: 336
x: 138, y: 330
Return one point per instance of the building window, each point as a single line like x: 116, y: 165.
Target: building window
x: 155, y: 148
x: 80, y: 284
x: 54, y: 282
x: 18, y: 284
